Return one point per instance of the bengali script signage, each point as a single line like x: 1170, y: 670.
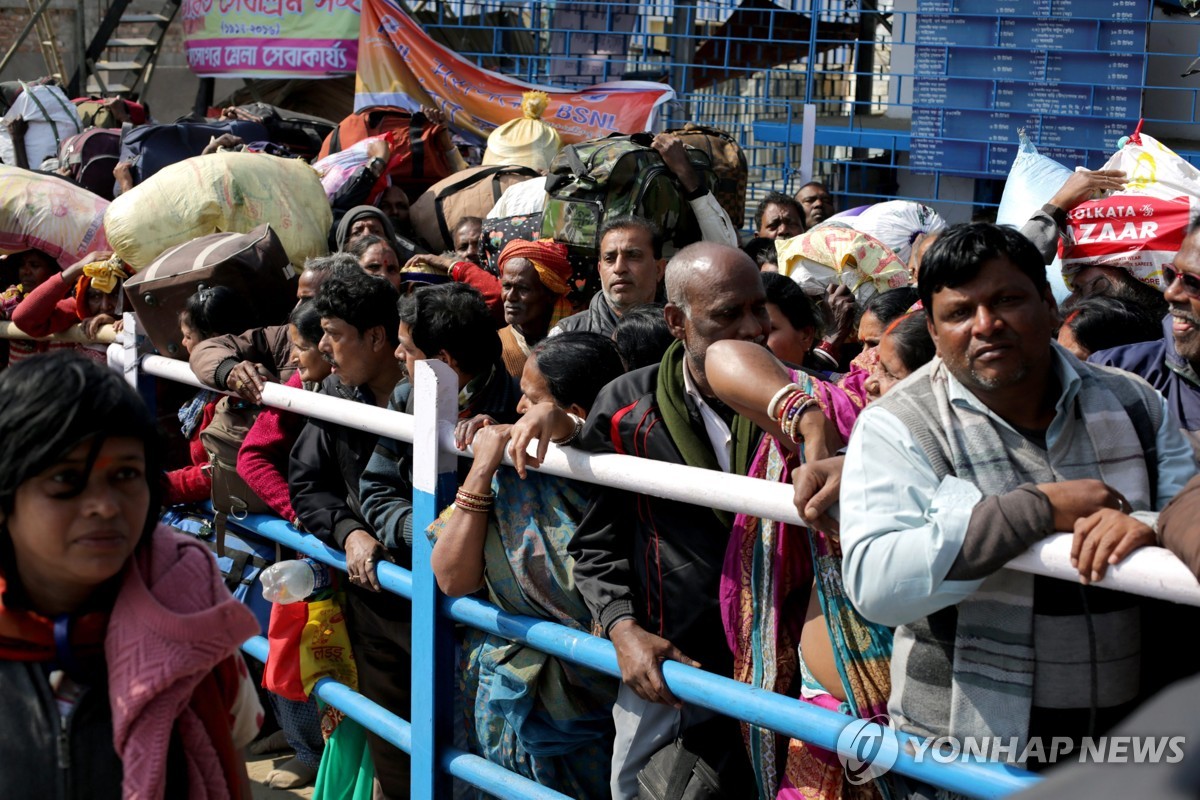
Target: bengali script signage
x: 271, y: 38
x: 399, y: 65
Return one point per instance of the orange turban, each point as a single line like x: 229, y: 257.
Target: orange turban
x: 549, y: 259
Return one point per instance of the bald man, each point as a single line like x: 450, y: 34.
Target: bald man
x: 649, y: 568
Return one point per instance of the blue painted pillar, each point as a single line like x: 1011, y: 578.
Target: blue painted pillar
x: 434, y: 483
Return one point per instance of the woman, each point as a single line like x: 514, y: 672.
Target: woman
x: 208, y: 312
x: 543, y: 718
x: 119, y: 638
x: 377, y: 256
x: 1100, y: 322
x: 33, y: 268
x: 88, y: 293
x: 839, y: 660
x: 906, y: 346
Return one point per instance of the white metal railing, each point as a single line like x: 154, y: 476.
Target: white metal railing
x: 105, y: 335
x: 1149, y: 571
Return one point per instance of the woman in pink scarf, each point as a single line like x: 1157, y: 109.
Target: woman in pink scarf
x: 118, y: 639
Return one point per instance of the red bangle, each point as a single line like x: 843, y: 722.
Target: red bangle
x: 827, y: 347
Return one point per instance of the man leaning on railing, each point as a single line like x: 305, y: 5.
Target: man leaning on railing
x: 999, y: 442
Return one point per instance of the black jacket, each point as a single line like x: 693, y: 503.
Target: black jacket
x: 323, y: 470
x: 386, y: 485
x: 656, y: 560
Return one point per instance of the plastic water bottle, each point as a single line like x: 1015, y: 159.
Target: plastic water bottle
x: 291, y: 581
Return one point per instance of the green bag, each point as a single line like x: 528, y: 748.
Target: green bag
x: 346, y: 771
x: 592, y: 182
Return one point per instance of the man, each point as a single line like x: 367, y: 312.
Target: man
x: 1002, y: 440
x: 242, y: 363
x: 450, y: 323
x: 533, y: 285
x: 648, y: 568
x: 816, y: 203
x: 1172, y: 364
x: 393, y: 202
x: 468, y: 240
x: 358, y: 315
x: 631, y: 268
x: 778, y: 217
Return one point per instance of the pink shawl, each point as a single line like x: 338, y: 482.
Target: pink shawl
x: 172, y: 623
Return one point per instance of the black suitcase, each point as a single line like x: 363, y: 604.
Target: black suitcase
x: 149, y: 148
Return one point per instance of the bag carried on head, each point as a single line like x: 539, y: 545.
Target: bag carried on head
x: 254, y: 265
x: 109, y: 112
x: 728, y: 163
x: 50, y: 117
x: 416, y: 162
x: 469, y: 193
x: 89, y: 157
x: 619, y: 175
x: 150, y: 148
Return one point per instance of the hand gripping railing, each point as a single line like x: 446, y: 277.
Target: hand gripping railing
x: 1149, y: 571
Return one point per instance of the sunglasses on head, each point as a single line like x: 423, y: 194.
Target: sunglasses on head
x: 1191, y: 283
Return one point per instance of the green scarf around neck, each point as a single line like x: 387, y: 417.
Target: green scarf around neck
x: 694, y: 445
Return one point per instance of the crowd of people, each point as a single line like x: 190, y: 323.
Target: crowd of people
x: 932, y: 432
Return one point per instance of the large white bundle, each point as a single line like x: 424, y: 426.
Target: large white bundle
x: 51, y: 117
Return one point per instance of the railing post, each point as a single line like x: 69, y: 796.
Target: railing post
x: 436, y: 407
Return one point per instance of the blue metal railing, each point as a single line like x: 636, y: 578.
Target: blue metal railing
x: 783, y: 714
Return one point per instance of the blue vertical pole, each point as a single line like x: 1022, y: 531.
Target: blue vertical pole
x: 434, y: 481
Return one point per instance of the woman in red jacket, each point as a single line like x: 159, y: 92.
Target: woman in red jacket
x: 209, y: 312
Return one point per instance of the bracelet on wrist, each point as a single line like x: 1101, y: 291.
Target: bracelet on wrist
x: 573, y: 435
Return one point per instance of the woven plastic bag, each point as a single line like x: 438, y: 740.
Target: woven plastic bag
x: 50, y: 214
x: 1032, y: 181
x: 897, y: 224
x: 834, y: 253
x: 1140, y: 228
x: 221, y: 193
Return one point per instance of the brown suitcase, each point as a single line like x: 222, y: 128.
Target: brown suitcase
x: 729, y: 164
x: 469, y: 193
x: 253, y: 264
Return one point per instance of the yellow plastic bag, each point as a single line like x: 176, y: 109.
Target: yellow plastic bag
x: 221, y: 193
x: 325, y: 646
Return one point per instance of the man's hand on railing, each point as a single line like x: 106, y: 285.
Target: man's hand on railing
x: 640, y: 655
x: 1074, y: 500
x: 818, y: 486
x: 363, y: 553
x: 247, y: 379
x: 1105, y: 538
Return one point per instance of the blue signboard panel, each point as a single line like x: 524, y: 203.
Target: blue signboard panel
x: 1068, y: 72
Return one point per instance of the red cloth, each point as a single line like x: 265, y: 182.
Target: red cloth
x: 173, y: 632
x: 487, y: 284
x: 46, y: 310
x: 263, y: 460
x: 193, y: 484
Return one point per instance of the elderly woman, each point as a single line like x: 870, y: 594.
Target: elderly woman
x: 534, y: 281
x: 118, y: 638
x: 508, y: 531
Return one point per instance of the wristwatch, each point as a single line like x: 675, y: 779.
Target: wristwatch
x: 377, y: 165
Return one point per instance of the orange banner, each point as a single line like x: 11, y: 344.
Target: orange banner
x: 400, y: 66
